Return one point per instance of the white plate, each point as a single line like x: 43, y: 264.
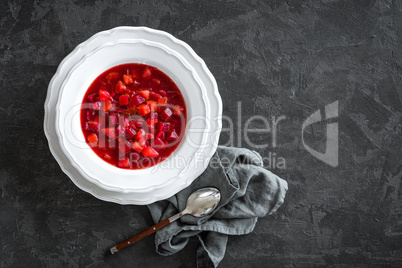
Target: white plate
x: 90, y: 46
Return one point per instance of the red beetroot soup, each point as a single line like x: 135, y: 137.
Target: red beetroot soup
x: 133, y: 116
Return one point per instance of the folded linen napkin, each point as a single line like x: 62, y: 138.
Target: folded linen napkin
x: 248, y: 191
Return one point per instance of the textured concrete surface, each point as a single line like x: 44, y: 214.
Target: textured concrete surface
x: 279, y: 59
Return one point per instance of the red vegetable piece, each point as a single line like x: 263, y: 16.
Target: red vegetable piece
x: 136, y: 123
x: 152, y: 105
x: 140, y: 134
x: 160, y: 135
x: 152, y: 121
x: 162, y: 100
x: 120, y: 87
x: 156, y: 81
x: 149, y: 152
x: 124, y: 146
x: 104, y: 95
x: 107, y: 157
x: 112, y: 76
x: 177, y: 110
x: 172, y: 136
x: 131, y: 108
x: 166, y: 114
x: 146, y: 73
x: 163, y: 126
x: 137, y: 99
x: 134, y: 156
x: 125, y: 122
x: 155, y: 96
x: 120, y: 130
x: 149, y: 136
x: 110, y: 132
x: 94, y: 126
x: 92, y: 97
x: 107, y: 105
x: 127, y: 79
x: 142, y: 142
x: 93, y: 139
x: 143, y: 109
x: 90, y: 115
x: 124, y: 163
x: 158, y: 142
x: 145, y: 94
x: 124, y: 100
x: 96, y: 105
x: 130, y: 133
x: 163, y: 93
x: 153, y: 115
x: 113, y: 119
x: 137, y: 147
x: 119, y: 110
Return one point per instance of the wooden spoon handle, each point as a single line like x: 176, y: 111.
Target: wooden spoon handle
x: 139, y: 236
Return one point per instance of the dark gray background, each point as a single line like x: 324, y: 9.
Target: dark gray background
x: 276, y: 58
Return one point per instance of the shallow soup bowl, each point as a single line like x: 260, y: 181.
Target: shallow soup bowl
x: 189, y: 152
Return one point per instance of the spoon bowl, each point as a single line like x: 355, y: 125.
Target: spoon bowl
x: 203, y: 201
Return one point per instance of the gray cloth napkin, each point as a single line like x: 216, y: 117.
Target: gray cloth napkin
x: 248, y: 191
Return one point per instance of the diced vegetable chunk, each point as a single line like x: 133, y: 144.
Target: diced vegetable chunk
x: 124, y: 163
x: 160, y: 135
x: 166, y: 114
x: 143, y: 109
x: 130, y: 133
x: 158, y: 142
x: 137, y: 147
x: 110, y: 132
x: 94, y: 126
x: 137, y: 99
x: 113, y: 119
x: 131, y: 108
x: 92, y: 97
x: 146, y: 73
x: 104, y: 95
x: 155, y: 96
x: 120, y: 130
x: 152, y: 105
x: 140, y: 135
x: 127, y: 79
x: 96, y: 105
x: 149, y: 136
x: 177, y: 110
x: 124, y: 99
x: 93, y: 139
x: 162, y: 100
x: 145, y: 94
x: 124, y: 146
x: 136, y: 123
x: 163, y: 126
x: 107, y: 105
x: 112, y: 76
x: 153, y: 115
x: 149, y: 152
x: 120, y: 87
x: 172, y: 136
x: 134, y: 156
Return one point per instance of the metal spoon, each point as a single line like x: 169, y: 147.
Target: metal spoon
x: 199, y: 204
